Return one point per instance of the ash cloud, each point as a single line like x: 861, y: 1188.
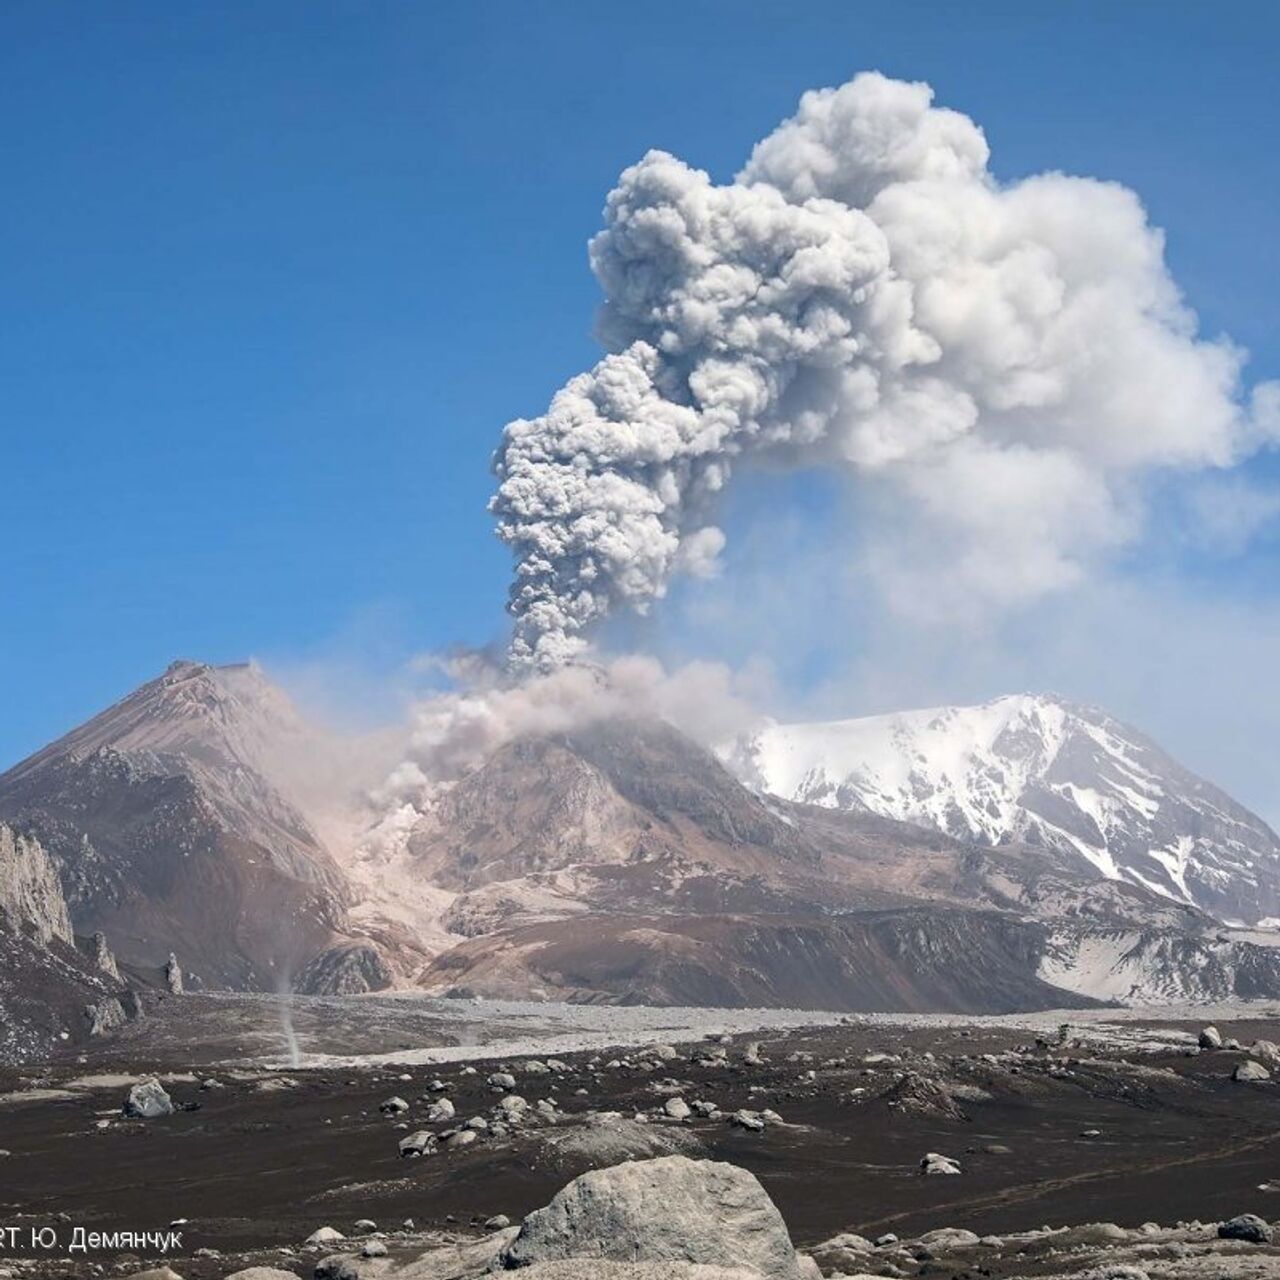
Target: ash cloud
x: 1001, y: 364
x: 455, y: 731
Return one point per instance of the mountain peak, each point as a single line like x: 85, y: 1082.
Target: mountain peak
x: 1037, y: 769
x: 230, y: 714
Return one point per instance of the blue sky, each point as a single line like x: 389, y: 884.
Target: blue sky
x: 276, y: 275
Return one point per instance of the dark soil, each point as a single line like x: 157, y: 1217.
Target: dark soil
x: 253, y: 1168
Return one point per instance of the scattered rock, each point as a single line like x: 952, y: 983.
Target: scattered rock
x: 1210, y: 1038
x: 1247, y: 1226
x: 325, y: 1235
x: 105, y: 1016
x: 393, y: 1106
x: 933, y: 1163
x: 677, y: 1108
x: 441, y: 1109
x: 1251, y: 1072
x: 668, y: 1210
x: 148, y: 1101
x: 422, y: 1143
x: 263, y: 1273
x: 336, y: 1267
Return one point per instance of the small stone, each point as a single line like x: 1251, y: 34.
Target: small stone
x: 498, y: 1222
x: 676, y: 1108
x: 1210, y: 1038
x: 393, y: 1106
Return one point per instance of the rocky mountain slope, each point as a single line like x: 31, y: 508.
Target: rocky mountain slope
x: 1039, y: 771
x: 51, y: 991
x: 616, y: 862
x: 623, y: 862
x: 170, y: 821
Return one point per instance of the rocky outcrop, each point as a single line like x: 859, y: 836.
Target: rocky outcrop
x: 51, y: 993
x: 30, y: 895
x: 100, y: 954
x: 669, y: 1210
x: 351, y: 968
x: 105, y: 1016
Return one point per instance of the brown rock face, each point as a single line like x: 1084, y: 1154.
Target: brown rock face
x: 169, y: 834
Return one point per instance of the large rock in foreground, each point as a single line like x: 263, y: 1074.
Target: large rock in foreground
x: 594, y: 1269
x: 668, y: 1210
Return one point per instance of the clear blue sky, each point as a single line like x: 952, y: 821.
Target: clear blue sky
x: 274, y: 275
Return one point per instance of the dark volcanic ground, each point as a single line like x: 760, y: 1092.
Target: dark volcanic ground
x: 270, y: 1157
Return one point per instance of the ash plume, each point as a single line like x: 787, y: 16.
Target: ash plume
x: 995, y: 366
x: 455, y: 731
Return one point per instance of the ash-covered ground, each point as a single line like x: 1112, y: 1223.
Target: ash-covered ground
x: 1116, y: 1117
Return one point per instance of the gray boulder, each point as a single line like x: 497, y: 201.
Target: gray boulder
x: 422, y: 1143
x: 440, y: 1110
x: 1251, y: 1073
x: 1248, y: 1226
x: 594, y: 1269
x: 325, y: 1235
x: 336, y: 1266
x: 672, y: 1209
x: 263, y: 1273
x: 1210, y: 1038
x: 1267, y: 1052
x: 148, y: 1101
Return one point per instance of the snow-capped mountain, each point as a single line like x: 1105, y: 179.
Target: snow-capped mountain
x: 1037, y: 770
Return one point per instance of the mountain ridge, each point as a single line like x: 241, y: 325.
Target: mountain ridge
x: 1034, y: 769
x: 616, y: 861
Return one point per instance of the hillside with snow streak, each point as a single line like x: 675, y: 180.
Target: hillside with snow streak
x: 1036, y: 770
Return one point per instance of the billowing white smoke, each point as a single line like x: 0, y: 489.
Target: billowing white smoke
x: 1006, y: 361
x: 456, y: 731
